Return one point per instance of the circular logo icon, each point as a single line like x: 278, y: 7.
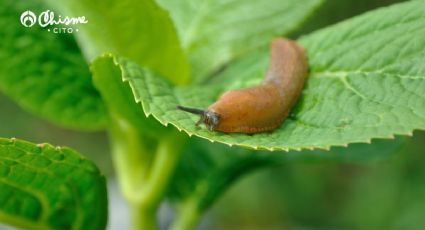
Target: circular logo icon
x: 28, y: 18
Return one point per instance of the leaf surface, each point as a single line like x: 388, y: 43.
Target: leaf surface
x: 45, y: 73
x: 111, y: 81
x: 213, y: 32
x: 366, y: 81
x: 139, y: 30
x: 47, y: 187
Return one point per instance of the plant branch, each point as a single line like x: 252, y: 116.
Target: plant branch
x: 144, y: 167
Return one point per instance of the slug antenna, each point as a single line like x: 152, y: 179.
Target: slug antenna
x: 196, y: 111
x: 191, y: 110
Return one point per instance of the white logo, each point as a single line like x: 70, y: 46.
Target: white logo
x: 56, y: 24
x: 28, y: 18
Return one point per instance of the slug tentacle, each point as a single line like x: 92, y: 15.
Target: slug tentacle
x: 207, y: 117
x: 261, y: 108
x: 191, y: 110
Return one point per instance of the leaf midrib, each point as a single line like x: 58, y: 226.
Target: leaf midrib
x: 22, y: 222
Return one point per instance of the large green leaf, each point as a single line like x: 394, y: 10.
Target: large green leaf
x: 139, y: 30
x: 45, y: 72
x: 213, y: 32
x: 367, y: 81
x: 47, y: 187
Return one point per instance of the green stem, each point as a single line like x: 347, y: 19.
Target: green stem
x: 166, y: 159
x: 187, y: 216
x: 142, y: 218
x: 131, y: 157
x: 144, y: 167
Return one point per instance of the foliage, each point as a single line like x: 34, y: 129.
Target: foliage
x: 47, y: 187
x: 45, y: 73
x: 366, y: 81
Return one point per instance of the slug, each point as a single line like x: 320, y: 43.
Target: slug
x: 261, y: 108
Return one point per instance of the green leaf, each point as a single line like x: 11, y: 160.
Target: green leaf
x: 45, y: 72
x: 214, y: 32
x: 111, y: 81
x: 333, y: 11
x: 139, y: 30
x: 366, y: 77
x: 366, y: 82
x: 47, y: 187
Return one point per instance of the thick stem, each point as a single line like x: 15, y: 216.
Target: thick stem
x: 166, y: 159
x: 131, y: 157
x: 144, y: 167
x: 142, y: 218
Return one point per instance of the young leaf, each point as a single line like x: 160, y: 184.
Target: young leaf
x: 214, y: 32
x: 45, y: 72
x: 366, y: 82
x: 47, y: 187
x: 139, y: 30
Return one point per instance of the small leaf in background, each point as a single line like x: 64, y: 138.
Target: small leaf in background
x: 139, y: 30
x: 45, y: 72
x: 365, y: 82
x: 46, y: 187
x: 214, y: 32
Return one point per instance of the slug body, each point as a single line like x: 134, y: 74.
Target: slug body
x: 261, y: 108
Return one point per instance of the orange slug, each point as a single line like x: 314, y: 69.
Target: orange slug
x: 261, y: 108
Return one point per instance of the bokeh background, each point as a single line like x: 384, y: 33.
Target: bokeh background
x: 388, y: 193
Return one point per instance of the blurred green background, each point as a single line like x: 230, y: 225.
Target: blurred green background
x: 384, y: 194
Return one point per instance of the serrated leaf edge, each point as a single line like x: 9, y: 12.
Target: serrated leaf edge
x: 259, y: 147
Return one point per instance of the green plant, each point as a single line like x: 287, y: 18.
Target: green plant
x: 366, y: 81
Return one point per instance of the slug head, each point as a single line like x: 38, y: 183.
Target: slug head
x: 207, y: 117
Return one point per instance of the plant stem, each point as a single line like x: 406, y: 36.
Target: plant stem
x: 130, y: 156
x: 166, y: 158
x: 187, y: 216
x: 142, y: 218
x: 144, y: 167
